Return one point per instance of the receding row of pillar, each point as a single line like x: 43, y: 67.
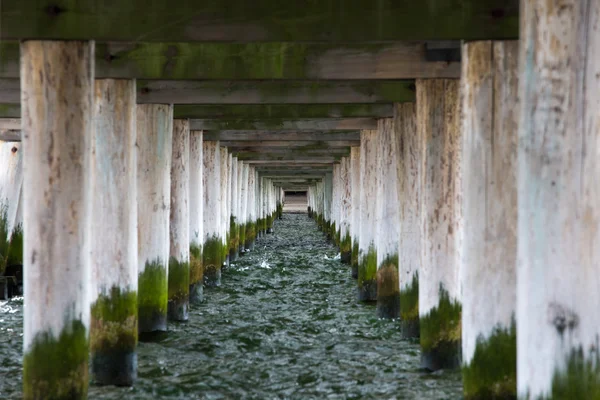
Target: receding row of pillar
x: 120, y: 216
x: 473, y: 215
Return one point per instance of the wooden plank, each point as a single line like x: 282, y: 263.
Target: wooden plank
x: 10, y: 123
x: 250, y: 152
x: 293, y: 124
x: 259, y: 21
x: 294, y: 161
x: 281, y: 135
x: 275, y: 92
x: 292, y: 144
x: 10, y: 135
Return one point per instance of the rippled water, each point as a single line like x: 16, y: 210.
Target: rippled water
x: 285, y: 324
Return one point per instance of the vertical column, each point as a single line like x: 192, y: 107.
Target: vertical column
x: 270, y: 205
x: 243, y: 176
x: 410, y: 147
x: 211, y: 251
x: 261, y: 206
x: 439, y: 303
x: 57, y: 81
x: 11, y: 224
x: 367, y: 253
x: 196, y: 217
x: 234, y: 228
x: 179, y: 227
x: 113, y: 238
x: 356, y: 211
x: 346, y: 211
x: 489, y: 246
x: 388, y: 228
x: 155, y: 126
x: 327, y: 197
x: 558, y: 201
x: 251, y: 219
x: 224, y: 206
x: 309, y: 193
x: 335, y: 204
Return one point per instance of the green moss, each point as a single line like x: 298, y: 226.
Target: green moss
x: 4, y: 242
x: 250, y: 233
x: 333, y: 233
x: 388, y: 288
x: 367, y: 275
x: 492, y: 373
x: 196, y: 268
x: 15, y: 248
x: 57, y: 368
x: 243, y: 229
x: 212, y: 257
x: 441, y: 326
x: 580, y: 379
x: 179, y: 280
x: 234, y: 235
x: 269, y: 222
x: 355, y: 254
x: 279, y: 211
x: 114, y: 318
x: 409, y: 300
x: 152, y: 293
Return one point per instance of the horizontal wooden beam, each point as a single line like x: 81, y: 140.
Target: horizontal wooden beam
x: 259, y: 20
x: 293, y: 175
x: 257, y: 153
x: 10, y: 135
x: 278, y: 168
x: 314, y: 161
x: 283, y: 124
x: 322, y: 144
x: 278, y: 60
x: 280, y: 135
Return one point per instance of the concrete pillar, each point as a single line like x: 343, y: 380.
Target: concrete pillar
x: 489, y: 206
x: 309, y: 202
x: 356, y: 212
x: 251, y: 209
x: 213, y: 245
x: 261, y: 206
x: 270, y: 205
x: 155, y: 125
x: 439, y: 301
x: 320, y: 197
x: 558, y: 201
x: 113, y: 238
x: 243, y: 176
x: 388, y: 228
x: 346, y: 211
x: 11, y: 221
x: 335, y: 204
x: 367, y: 253
x: 224, y: 158
x: 327, y: 198
x: 234, y: 228
x: 179, y: 225
x: 57, y: 83
x: 196, y: 217
x: 410, y: 147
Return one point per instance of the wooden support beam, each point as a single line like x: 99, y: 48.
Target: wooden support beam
x: 273, y: 60
x: 259, y: 21
x: 244, y: 153
x: 292, y: 144
x: 322, y: 158
x: 296, y: 161
x: 293, y: 124
x: 281, y: 135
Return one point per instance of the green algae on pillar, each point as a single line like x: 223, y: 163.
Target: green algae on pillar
x: 213, y: 260
x: 179, y: 289
x: 57, y: 116
x: 367, y: 275
x: 388, y: 288
x: 346, y: 248
x: 196, y: 229
x: 212, y: 248
x: 409, y: 308
x: 153, y: 297
x: 196, y: 274
x: 354, y: 259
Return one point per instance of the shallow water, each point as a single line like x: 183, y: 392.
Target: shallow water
x: 284, y: 324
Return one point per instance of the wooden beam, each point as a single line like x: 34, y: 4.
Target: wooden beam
x: 319, y: 157
x: 283, y: 124
x: 314, y: 161
x: 259, y: 20
x: 280, y: 111
x: 279, y: 153
x: 291, y: 144
x: 10, y: 135
x: 281, y: 135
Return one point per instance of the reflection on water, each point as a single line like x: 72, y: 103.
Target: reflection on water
x: 285, y: 324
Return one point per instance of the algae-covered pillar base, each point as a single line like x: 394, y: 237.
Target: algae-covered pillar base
x: 439, y: 302
x: 196, y: 208
x: 558, y: 201
x: 345, y: 211
x: 179, y: 224
x: 356, y: 211
x: 489, y: 244
x: 155, y: 126
x: 234, y: 227
x: 367, y: 254
x: 213, y: 245
x: 251, y: 210
x: 224, y: 158
x: 57, y: 84
x: 410, y: 171
x: 114, y: 254
x: 388, y: 221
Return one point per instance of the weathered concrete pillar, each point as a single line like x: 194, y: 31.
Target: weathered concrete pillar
x: 320, y: 205
x: 224, y: 158
x: 179, y: 225
x: 155, y: 126
x: 57, y: 84
x: 243, y: 176
x: 367, y: 253
x: 327, y: 197
x: 262, y: 223
x: 439, y: 301
x: 388, y: 228
x: 196, y: 217
x: 234, y: 227
x: 113, y: 238
x: 212, y: 254
x: 558, y: 201
x: 335, y: 204
x: 251, y: 209
x: 489, y: 206
x: 356, y: 211
x: 270, y: 205
x: 346, y: 211
x: 309, y: 200
x: 11, y: 221
x: 411, y: 157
